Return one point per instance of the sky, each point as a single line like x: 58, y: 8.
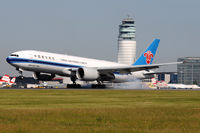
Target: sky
x: 89, y: 28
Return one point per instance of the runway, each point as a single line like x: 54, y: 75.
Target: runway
x: 89, y: 88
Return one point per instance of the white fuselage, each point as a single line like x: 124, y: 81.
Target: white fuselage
x: 60, y: 64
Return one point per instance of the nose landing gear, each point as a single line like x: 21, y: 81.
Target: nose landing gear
x: 21, y: 77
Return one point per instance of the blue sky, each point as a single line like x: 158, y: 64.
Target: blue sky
x: 89, y: 28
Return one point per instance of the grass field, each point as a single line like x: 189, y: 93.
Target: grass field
x: 96, y: 111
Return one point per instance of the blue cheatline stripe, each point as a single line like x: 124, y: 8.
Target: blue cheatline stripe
x: 22, y: 60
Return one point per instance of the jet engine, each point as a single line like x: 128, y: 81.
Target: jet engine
x: 87, y: 74
x: 43, y: 77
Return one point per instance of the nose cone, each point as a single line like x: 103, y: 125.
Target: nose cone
x: 13, y: 58
x: 8, y: 59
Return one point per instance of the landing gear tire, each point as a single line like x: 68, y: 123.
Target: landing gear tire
x: 102, y: 86
x: 73, y: 86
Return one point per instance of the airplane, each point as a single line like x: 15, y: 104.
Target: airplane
x: 183, y: 86
x: 163, y: 85
x: 45, y: 66
x: 5, y: 80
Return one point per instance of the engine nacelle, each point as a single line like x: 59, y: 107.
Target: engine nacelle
x: 66, y: 72
x: 87, y: 74
x: 43, y: 77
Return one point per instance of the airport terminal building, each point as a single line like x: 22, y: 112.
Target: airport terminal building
x: 189, y: 70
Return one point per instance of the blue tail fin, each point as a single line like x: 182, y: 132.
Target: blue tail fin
x: 147, y: 57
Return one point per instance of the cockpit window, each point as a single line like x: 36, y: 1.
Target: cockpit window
x: 15, y: 55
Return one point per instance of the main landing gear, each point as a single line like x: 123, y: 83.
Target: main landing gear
x: 102, y: 86
x: 75, y: 85
x: 99, y: 85
x: 73, y: 79
x: 95, y: 86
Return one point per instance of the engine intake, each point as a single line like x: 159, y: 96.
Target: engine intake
x: 87, y: 74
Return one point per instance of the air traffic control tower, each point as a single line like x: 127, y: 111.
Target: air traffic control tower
x: 127, y: 42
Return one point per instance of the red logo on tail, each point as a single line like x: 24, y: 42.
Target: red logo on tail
x: 148, y: 56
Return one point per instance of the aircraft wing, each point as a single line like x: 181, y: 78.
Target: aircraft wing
x: 128, y: 69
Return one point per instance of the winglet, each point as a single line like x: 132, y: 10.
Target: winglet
x: 147, y: 57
